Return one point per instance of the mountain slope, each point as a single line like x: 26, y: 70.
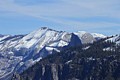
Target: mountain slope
x: 77, y: 63
x: 19, y: 52
x: 115, y: 39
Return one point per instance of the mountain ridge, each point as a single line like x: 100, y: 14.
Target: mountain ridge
x: 25, y: 50
x: 85, y: 62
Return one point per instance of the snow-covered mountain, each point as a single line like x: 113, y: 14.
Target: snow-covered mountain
x: 21, y: 51
x: 115, y: 39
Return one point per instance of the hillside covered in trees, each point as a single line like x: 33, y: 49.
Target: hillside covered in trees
x: 97, y: 61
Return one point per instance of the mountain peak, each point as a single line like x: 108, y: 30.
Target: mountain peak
x: 49, y: 29
x: 44, y: 28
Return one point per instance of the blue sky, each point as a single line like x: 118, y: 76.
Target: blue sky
x: 24, y: 16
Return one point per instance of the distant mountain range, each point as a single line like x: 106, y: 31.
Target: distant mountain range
x: 19, y: 52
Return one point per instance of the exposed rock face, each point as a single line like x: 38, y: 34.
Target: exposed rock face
x: 87, y: 38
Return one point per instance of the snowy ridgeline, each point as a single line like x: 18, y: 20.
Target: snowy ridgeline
x: 19, y: 52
